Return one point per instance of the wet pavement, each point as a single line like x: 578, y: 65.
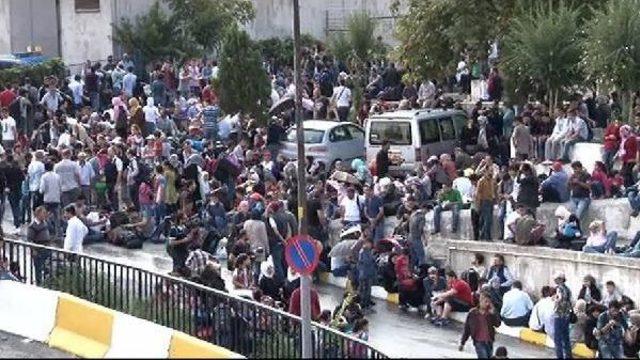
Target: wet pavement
x: 16, y: 347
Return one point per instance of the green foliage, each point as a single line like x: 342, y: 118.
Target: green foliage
x: 358, y: 43
x: 340, y: 46
x: 542, y: 48
x: 281, y: 50
x: 244, y: 84
x: 612, y: 45
x: 36, y: 73
x: 153, y: 36
x: 205, y: 21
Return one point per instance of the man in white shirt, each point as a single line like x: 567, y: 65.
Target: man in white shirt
x: 342, y: 99
x: 52, y: 99
x: 77, y: 89
x: 50, y: 190
x: 543, y: 313
x: 9, y: 130
x: 151, y: 115
x: 516, y: 306
x: 463, y: 184
x: 351, y: 207
x: 69, y: 172
x: 129, y: 82
x: 76, y: 230
x: 553, y: 145
x: 35, y: 170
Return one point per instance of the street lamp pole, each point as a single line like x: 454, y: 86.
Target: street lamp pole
x: 305, y: 280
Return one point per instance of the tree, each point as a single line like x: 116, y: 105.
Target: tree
x: 205, y: 21
x: 281, y: 50
x: 612, y: 48
x: 542, y: 49
x: 244, y: 84
x: 152, y: 36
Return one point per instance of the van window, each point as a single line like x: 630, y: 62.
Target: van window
x: 397, y: 132
x: 356, y: 132
x: 339, y: 133
x: 429, y: 132
x: 311, y: 136
x: 447, y: 130
x: 459, y: 121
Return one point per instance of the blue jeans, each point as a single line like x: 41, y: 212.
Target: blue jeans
x: 486, y: 219
x: 610, y: 351
x: 608, y: 157
x: 54, y: 219
x: 566, y: 147
x: 40, y: 258
x: 612, y: 238
x: 418, y: 257
x: 634, y: 200
x: 378, y: 232
x: 580, y: 205
x: 364, y: 290
x: 94, y: 97
x: 14, y: 201
x: 277, y: 254
x: 484, y: 350
x: 455, y: 216
x: 634, y: 247
x: 160, y: 211
x: 561, y: 337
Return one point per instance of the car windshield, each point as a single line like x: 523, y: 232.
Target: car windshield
x: 311, y: 136
x: 397, y: 132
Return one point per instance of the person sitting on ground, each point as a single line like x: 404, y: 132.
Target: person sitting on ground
x: 577, y: 329
x: 589, y: 291
x: 555, y: 188
x: 610, y: 331
x: 593, y: 313
x: 543, y: 312
x: 577, y: 132
x: 599, y: 240
x: 408, y: 291
x: 432, y: 283
x: 580, y: 189
x: 527, y: 229
x: 516, y: 306
x: 448, y: 199
x: 478, y: 265
x: 5, y: 272
x: 458, y: 298
x: 501, y: 273
x: 611, y: 293
x: 600, y: 182
x: 568, y: 228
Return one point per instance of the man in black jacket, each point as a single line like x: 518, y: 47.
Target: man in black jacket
x: 38, y: 233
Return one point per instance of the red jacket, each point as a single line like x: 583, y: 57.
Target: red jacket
x: 406, y: 282
x: 612, y: 137
x: 294, y: 304
x: 630, y: 149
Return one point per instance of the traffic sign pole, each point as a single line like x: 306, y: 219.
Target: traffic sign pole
x: 305, y: 280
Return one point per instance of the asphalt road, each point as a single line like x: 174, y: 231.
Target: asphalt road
x: 15, y: 347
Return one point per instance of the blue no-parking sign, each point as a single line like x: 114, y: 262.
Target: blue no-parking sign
x: 302, y: 254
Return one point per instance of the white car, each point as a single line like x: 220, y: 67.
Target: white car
x: 327, y: 142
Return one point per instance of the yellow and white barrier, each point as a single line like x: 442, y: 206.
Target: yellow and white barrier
x: 88, y: 330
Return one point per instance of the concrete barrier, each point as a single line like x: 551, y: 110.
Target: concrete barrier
x: 137, y: 338
x: 27, y: 310
x: 184, y: 346
x: 535, y: 266
x: 88, y: 330
x: 82, y: 328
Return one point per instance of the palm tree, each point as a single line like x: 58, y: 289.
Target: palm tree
x: 612, y: 48
x: 542, y: 48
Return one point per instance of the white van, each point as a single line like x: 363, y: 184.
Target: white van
x: 414, y: 135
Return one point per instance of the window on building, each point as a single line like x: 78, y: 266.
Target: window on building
x: 87, y: 5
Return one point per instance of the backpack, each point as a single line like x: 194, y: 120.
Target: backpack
x: 110, y: 173
x: 144, y: 172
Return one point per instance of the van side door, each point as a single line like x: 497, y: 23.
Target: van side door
x: 429, y: 137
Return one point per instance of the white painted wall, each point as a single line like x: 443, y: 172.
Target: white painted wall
x: 85, y: 35
x: 5, y: 27
x: 274, y: 17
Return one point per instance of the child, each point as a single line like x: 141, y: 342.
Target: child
x: 366, y: 273
x: 501, y: 353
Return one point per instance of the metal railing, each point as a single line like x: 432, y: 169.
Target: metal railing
x: 246, y: 327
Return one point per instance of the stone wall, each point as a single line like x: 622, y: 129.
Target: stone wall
x: 535, y: 266
x: 5, y: 27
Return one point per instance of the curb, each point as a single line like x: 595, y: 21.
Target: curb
x: 85, y: 329
x: 524, y: 334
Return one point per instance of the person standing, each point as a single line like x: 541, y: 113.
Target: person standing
x: 50, y: 188
x: 210, y: 115
x: 129, y: 82
x: 580, y: 189
x: 86, y: 176
x: 366, y: 273
x: 481, y: 325
x: 561, y: 319
x: 38, y: 233
x: 382, y: 160
x: 9, y: 130
x: 35, y: 170
x: 14, y: 177
x: 484, y: 199
x: 76, y: 230
x: 69, y: 173
x: 342, y: 100
x: 373, y: 207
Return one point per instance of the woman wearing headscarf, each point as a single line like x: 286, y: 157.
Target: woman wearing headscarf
x: 136, y: 114
x: 568, y: 228
x: 628, y: 154
x: 577, y: 330
x: 120, y: 114
x: 362, y: 172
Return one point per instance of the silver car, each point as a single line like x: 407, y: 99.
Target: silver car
x: 327, y: 142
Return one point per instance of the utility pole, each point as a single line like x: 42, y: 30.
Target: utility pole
x: 305, y: 280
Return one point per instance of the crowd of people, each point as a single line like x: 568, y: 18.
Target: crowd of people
x: 109, y: 155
